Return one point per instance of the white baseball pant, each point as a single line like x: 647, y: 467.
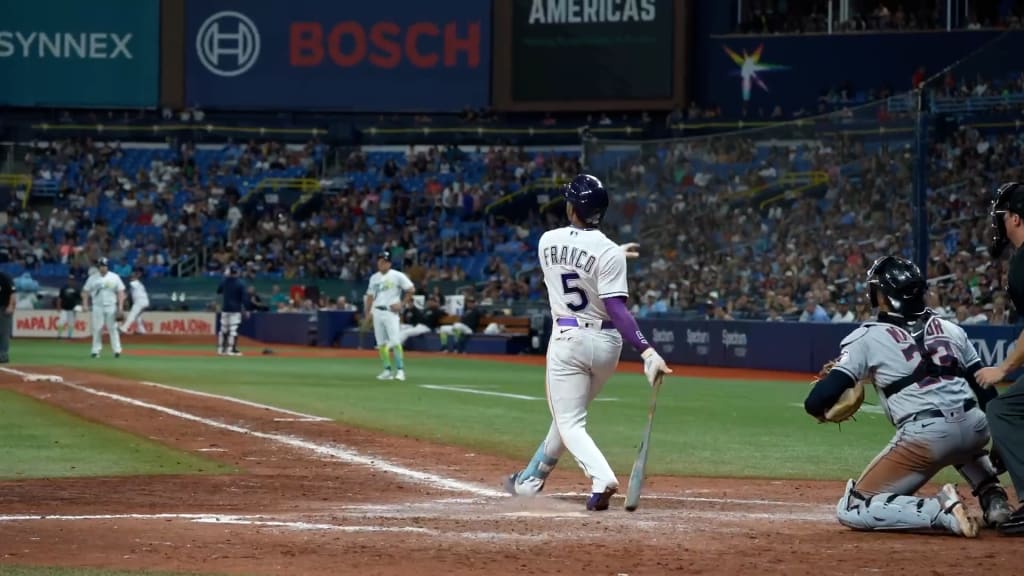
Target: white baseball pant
x: 66, y: 323
x: 105, y: 316
x: 386, y: 328
x: 409, y: 331
x: 227, y: 339
x: 462, y: 329
x: 579, y: 362
x: 133, y: 317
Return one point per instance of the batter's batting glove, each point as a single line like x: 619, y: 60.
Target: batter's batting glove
x: 654, y: 365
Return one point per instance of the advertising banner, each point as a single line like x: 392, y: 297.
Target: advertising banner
x: 786, y: 346
x: 387, y: 55
x: 43, y: 324
x: 590, y: 53
x: 75, y: 53
x: 758, y: 73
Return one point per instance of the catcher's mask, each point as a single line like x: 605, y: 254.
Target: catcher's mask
x: 900, y: 282
x: 1008, y: 199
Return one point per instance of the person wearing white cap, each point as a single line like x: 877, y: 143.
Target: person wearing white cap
x: 104, y: 291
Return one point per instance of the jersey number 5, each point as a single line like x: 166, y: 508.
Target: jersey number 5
x: 568, y: 289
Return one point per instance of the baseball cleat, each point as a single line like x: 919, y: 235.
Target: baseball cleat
x: 95, y: 355
x: 234, y: 353
x: 599, y: 500
x: 995, y: 507
x: 117, y: 354
x: 1014, y: 525
x: 400, y: 375
x: 529, y: 486
x: 385, y: 375
x: 957, y: 519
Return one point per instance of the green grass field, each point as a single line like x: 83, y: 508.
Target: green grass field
x: 37, y: 440
x: 704, y: 427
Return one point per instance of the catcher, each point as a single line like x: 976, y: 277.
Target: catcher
x: 923, y: 369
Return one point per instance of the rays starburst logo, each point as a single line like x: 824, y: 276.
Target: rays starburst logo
x: 750, y: 69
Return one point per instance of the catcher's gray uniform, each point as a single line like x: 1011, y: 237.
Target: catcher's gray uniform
x: 937, y: 421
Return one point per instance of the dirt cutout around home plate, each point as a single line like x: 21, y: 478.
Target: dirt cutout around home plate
x: 312, y: 496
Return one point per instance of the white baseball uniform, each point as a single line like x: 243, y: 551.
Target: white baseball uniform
x: 581, y: 266
x: 103, y: 290
x: 937, y: 421
x: 140, y: 301
x: 387, y: 289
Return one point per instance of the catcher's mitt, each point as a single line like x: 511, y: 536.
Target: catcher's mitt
x: 848, y: 403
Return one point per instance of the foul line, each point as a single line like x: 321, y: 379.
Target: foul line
x: 301, y: 416
x: 217, y: 519
x: 337, y: 452
x: 472, y: 390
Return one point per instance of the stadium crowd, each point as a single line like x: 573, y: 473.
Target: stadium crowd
x: 811, y: 17
x: 712, y: 249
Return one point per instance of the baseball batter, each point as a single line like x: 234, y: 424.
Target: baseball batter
x: 388, y: 292
x: 923, y: 369
x: 104, y: 292
x: 140, y: 301
x: 585, y: 274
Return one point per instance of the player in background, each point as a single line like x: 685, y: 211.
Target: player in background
x: 458, y: 333
x: 234, y: 301
x: 585, y: 275
x: 923, y: 368
x: 140, y: 301
x: 418, y: 322
x: 388, y: 292
x: 68, y: 299
x: 104, y: 291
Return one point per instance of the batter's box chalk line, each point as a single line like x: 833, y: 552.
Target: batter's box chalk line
x: 27, y: 377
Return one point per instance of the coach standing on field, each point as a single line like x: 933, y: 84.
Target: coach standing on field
x: 1006, y: 412
x: 6, y: 316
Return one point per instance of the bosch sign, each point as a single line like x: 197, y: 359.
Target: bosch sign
x: 392, y: 55
x: 385, y: 45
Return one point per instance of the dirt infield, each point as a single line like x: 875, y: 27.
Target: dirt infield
x: 316, y: 497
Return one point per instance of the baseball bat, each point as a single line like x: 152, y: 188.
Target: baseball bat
x: 636, y: 477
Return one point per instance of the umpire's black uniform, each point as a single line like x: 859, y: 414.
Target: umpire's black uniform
x: 1006, y: 412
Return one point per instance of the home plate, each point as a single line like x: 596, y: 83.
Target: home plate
x: 542, y: 514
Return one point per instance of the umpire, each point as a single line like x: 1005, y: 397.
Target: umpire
x: 1006, y: 412
x: 6, y: 315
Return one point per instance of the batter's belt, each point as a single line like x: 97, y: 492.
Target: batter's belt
x: 934, y: 413
x: 576, y: 323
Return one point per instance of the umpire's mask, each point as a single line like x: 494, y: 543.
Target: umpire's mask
x: 1008, y: 199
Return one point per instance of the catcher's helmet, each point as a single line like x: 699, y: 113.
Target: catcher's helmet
x: 1009, y: 198
x: 588, y: 198
x: 900, y: 282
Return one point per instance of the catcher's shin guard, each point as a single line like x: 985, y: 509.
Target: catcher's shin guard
x: 896, y: 512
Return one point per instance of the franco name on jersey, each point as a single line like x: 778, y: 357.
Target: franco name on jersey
x: 578, y: 258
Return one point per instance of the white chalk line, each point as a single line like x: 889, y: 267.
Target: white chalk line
x: 301, y: 417
x: 335, y: 451
x: 474, y: 390
x: 221, y: 519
